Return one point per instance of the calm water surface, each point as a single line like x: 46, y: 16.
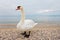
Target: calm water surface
x: 36, y: 18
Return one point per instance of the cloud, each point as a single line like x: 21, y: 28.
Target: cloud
x: 30, y: 6
x: 45, y: 11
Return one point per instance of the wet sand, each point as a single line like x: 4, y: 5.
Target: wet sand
x: 40, y: 32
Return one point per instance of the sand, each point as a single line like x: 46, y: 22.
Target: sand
x: 40, y: 32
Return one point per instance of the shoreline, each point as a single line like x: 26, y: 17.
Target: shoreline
x: 38, y: 25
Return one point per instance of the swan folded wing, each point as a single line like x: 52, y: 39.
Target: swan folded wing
x: 28, y: 24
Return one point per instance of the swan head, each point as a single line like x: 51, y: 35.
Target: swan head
x: 19, y: 8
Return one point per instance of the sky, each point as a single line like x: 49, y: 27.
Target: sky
x: 8, y: 7
x: 8, y: 11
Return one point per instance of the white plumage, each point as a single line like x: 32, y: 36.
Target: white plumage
x: 26, y: 25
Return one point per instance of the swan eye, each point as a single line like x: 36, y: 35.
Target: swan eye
x: 18, y: 7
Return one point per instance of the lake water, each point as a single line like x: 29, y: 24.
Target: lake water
x: 37, y: 18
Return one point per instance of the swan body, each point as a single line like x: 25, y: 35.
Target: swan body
x: 26, y: 25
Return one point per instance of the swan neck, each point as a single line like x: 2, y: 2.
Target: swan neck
x: 22, y: 16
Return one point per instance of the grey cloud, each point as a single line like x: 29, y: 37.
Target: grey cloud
x: 30, y: 6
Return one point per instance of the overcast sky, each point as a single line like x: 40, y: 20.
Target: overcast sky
x: 7, y: 7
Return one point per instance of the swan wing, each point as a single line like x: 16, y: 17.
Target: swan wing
x: 28, y: 24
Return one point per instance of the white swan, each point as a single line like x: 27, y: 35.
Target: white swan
x: 25, y: 25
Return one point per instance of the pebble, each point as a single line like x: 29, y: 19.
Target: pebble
x: 36, y: 35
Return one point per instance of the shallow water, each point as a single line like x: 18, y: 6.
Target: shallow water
x: 37, y: 18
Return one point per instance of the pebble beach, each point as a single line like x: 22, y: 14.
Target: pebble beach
x: 40, y: 32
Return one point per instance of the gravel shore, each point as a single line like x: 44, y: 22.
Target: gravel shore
x: 38, y: 33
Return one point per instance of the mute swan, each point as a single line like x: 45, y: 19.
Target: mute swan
x: 25, y: 25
